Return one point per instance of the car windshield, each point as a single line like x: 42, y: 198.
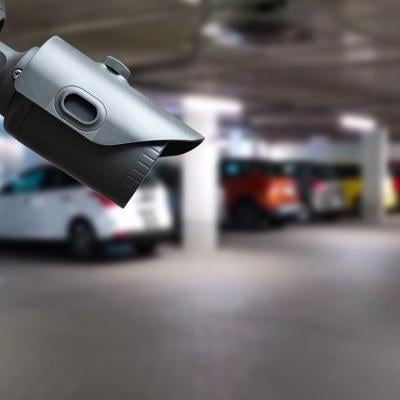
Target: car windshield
x: 281, y: 170
x: 231, y: 169
x: 28, y: 182
x: 348, y: 171
x: 324, y: 172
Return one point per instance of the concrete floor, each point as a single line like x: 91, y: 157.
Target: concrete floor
x: 305, y: 313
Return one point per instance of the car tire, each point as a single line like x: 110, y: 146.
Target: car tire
x: 82, y: 241
x: 333, y: 217
x: 146, y: 249
x: 277, y: 223
x: 246, y: 215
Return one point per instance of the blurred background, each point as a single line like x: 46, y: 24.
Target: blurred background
x: 262, y: 264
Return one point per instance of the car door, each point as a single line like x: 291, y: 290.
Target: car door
x: 29, y: 204
x: 17, y: 202
x: 46, y: 206
x: 56, y: 205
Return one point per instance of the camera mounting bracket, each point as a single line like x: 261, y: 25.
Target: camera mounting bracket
x: 2, y: 13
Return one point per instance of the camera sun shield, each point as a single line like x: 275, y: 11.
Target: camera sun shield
x: 97, y: 101
x: 84, y: 117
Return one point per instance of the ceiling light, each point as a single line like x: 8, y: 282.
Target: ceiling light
x: 358, y: 122
x: 212, y: 104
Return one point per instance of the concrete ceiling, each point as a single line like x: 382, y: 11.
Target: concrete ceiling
x: 139, y: 32
x: 350, y: 61
x: 294, y: 64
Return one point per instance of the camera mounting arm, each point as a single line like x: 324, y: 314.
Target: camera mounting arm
x: 2, y: 13
x: 11, y: 63
x: 6, y: 56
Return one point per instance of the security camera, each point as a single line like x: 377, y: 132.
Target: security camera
x: 85, y: 118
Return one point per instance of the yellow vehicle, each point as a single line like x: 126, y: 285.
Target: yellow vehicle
x: 350, y: 178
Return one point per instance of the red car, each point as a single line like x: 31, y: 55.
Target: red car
x: 258, y: 192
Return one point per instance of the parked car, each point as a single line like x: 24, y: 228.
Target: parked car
x: 395, y: 175
x: 171, y: 175
x: 257, y: 192
x: 350, y: 177
x: 45, y: 204
x: 319, y: 188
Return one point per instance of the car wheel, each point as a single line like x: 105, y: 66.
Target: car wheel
x: 277, y: 223
x: 247, y: 215
x: 82, y: 241
x: 146, y: 249
x: 333, y: 217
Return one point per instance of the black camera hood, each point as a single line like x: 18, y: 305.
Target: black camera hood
x: 76, y: 90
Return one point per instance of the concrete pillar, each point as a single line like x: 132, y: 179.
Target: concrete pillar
x: 201, y: 195
x: 375, y: 155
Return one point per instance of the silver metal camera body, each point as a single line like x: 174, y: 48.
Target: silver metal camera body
x: 84, y: 117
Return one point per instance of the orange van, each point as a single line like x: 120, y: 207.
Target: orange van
x: 256, y: 193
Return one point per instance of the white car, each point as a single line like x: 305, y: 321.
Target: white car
x: 319, y: 188
x: 45, y: 204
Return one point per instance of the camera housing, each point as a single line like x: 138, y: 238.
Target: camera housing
x: 84, y: 117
